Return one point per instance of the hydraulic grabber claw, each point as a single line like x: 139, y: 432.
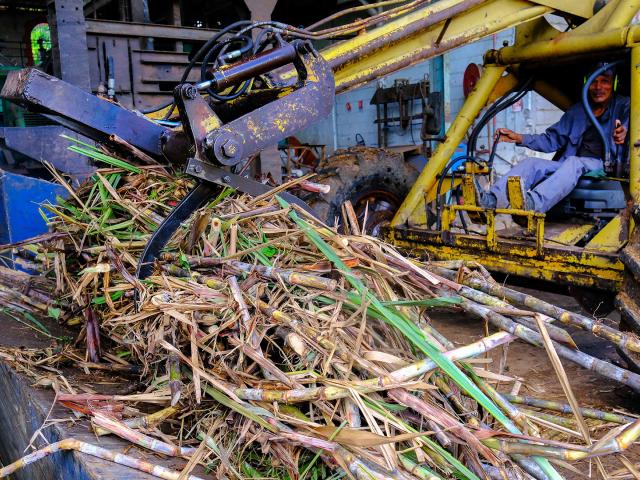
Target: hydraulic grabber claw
x: 210, y: 147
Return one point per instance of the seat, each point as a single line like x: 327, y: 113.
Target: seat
x: 593, y: 197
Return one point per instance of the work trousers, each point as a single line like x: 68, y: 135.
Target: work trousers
x: 531, y: 170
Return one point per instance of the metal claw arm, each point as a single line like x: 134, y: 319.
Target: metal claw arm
x: 218, y: 147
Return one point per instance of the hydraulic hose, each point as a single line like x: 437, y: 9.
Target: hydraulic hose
x: 591, y: 115
x: 443, y: 174
x: 504, y: 102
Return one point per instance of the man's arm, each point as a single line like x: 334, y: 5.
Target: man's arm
x: 621, y: 124
x: 554, y: 137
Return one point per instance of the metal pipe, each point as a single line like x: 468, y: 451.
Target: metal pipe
x: 359, y: 67
x: 566, y: 45
x: 472, y: 106
x: 622, y: 14
x: 256, y: 65
x: 634, y: 126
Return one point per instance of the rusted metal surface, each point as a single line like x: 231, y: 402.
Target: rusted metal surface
x: 229, y: 143
x: 69, y: 42
x: 81, y: 111
x: 423, y: 34
x: 567, y: 45
x: 137, y: 30
x: 385, y: 40
x: 143, y: 78
x: 628, y: 300
x: 46, y: 144
x: 216, y: 144
x: 563, y: 264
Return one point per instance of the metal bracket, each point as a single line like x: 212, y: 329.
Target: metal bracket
x: 212, y: 174
x: 81, y: 111
x: 310, y: 100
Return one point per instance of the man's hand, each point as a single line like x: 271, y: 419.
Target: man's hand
x: 620, y: 133
x: 509, y: 136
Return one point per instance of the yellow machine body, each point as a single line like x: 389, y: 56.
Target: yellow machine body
x: 545, y: 250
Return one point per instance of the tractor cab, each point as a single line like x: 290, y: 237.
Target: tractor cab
x: 578, y: 242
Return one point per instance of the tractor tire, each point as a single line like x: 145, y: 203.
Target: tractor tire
x: 628, y: 300
x: 593, y: 301
x: 375, y: 180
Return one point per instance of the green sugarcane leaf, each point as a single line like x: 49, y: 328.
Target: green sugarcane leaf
x: 414, y: 335
x: 101, y: 157
x: 428, y: 302
x: 411, y: 331
x: 54, y: 312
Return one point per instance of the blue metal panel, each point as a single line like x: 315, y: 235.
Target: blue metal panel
x: 20, y: 198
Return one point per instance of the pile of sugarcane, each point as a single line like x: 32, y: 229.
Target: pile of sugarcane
x: 270, y: 346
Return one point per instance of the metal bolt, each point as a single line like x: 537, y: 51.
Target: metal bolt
x: 229, y: 148
x: 190, y: 92
x: 197, y: 169
x: 226, y: 179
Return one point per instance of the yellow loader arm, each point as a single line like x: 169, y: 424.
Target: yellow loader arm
x: 434, y: 29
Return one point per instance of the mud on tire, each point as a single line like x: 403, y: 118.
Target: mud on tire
x: 363, y: 175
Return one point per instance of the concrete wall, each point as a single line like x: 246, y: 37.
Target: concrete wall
x: 532, y: 115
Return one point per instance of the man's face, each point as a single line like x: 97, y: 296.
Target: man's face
x: 601, y: 89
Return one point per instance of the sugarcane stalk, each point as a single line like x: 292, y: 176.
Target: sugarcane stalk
x: 214, y: 232
x: 244, y: 311
x: 296, y: 343
x: 23, y: 298
x: 438, y: 416
x: 92, y: 334
x: 518, y: 448
x: 175, y: 380
x: 620, y: 442
x: 95, y: 451
x: 455, y: 400
x: 289, y: 276
x: 320, y: 339
x: 155, y: 445
x: 618, y: 338
x: 537, y: 467
x: 392, y: 380
x: 566, y: 408
x: 143, y: 421
x: 605, y: 369
x: 420, y: 471
x: 351, y: 413
x: 526, y: 463
x: 112, y: 367
x: 211, y: 282
x: 176, y: 271
x: 555, y: 332
x: 562, y: 421
x: 269, y: 209
x: 607, y: 446
x: 436, y: 453
x: 514, y: 414
x: 398, y: 321
x: 359, y: 468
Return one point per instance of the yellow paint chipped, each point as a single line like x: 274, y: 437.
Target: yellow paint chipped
x: 211, y: 123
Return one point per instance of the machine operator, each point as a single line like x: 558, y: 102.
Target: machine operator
x: 578, y: 145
